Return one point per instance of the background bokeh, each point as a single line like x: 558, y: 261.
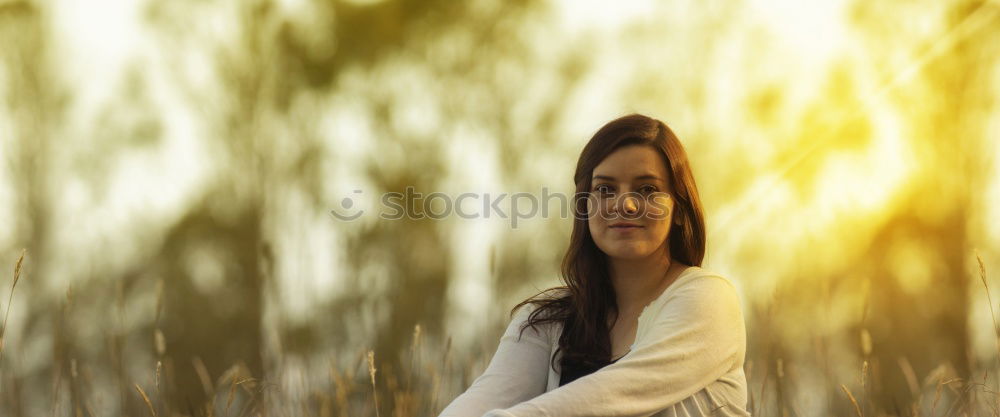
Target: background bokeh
x: 170, y: 168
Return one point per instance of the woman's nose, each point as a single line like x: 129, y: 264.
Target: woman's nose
x: 629, y: 204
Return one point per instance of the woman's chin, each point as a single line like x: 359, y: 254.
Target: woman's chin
x: 628, y: 253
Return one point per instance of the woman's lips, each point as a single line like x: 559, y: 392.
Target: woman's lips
x: 626, y: 228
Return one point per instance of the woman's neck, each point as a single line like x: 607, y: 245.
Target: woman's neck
x: 638, y: 282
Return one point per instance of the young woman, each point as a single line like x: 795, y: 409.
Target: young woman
x: 640, y: 328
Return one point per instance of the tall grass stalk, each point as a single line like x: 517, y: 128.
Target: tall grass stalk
x: 857, y: 408
x: 371, y: 372
x: 10, y: 298
x: 145, y: 399
x: 993, y: 316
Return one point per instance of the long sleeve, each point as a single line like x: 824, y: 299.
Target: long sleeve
x: 696, y: 338
x: 517, y: 372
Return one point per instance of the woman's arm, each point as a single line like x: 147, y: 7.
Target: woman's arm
x: 696, y: 338
x: 517, y: 372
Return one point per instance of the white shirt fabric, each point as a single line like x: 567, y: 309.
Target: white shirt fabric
x: 686, y: 361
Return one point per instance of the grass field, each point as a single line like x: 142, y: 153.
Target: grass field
x: 431, y: 379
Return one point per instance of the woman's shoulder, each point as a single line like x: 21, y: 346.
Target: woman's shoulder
x: 699, y: 285
x: 697, y: 276
x: 700, y: 296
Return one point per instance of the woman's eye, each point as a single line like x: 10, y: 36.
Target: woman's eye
x: 602, y: 190
x: 647, y: 189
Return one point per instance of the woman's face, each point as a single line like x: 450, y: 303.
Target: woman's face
x: 630, y: 206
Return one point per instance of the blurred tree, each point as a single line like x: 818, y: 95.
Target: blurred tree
x: 35, y: 103
x: 946, y: 107
x: 274, y: 63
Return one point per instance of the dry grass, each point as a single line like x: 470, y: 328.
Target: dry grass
x: 371, y: 372
x: 145, y: 399
x: 857, y: 408
x: 426, y: 387
x: 10, y: 299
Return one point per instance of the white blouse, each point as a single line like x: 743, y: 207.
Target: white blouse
x: 687, y: 360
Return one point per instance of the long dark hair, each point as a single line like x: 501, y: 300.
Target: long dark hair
x: 583, y: 304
